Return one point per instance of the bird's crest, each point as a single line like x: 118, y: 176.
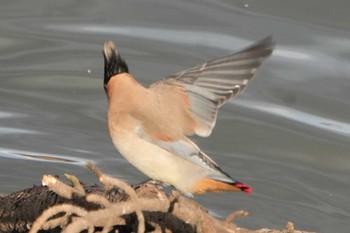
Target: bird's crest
x: 114, y: 63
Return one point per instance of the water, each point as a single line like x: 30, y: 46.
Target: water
x: 287, y: 135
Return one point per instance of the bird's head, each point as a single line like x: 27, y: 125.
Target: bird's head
x: 114, y: 63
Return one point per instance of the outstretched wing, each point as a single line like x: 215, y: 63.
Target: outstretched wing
x: 206, y: 87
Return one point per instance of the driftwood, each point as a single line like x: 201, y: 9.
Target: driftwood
x: 117, y: 207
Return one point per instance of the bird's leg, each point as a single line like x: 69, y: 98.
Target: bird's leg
x: 152, y: 186
x: 150, y: 182
x: 157, y: 183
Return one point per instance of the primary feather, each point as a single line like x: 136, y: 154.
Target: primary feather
x: 210, y: 85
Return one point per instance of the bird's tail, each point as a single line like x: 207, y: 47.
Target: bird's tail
x: 114, y: 63
x: 211, y: 185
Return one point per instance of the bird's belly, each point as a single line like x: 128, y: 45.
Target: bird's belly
x: 158, y: 163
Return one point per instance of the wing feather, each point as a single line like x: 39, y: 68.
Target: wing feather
x: 210, y: 85
x: 188, y: 150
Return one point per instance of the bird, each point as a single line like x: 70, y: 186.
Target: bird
x: 150, y: 126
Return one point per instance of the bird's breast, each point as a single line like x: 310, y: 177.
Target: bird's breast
x: 152, y: 160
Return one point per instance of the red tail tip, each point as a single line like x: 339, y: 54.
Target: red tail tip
x: 245, y: 188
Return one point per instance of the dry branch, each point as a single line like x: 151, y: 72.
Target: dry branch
x: 115, y: 207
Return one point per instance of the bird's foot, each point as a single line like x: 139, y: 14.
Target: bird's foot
x: 152, y: 187
x: 157, y: 183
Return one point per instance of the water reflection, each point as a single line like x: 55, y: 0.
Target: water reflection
x: 178, y: 36
x: 6, y: 130
x: 14, y: 154
x: 310, y: 120
x: 292, y: 53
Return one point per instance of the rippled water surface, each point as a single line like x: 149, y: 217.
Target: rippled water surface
x: 287, y: 135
